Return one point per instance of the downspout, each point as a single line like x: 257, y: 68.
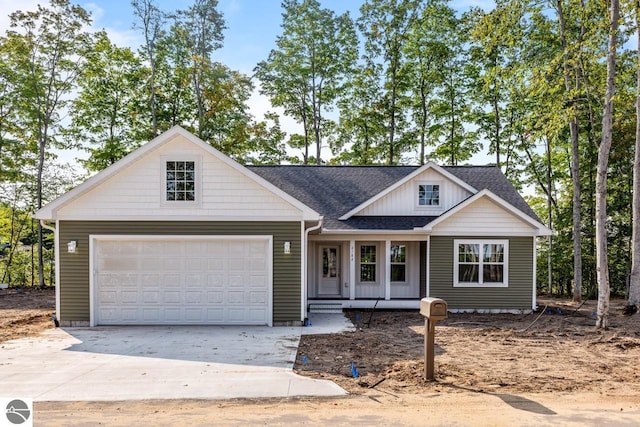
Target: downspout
x: 305, y: 278
x: 56, y: 237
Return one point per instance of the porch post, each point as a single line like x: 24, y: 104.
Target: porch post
x: 352, y: 269
x: 387, y: 269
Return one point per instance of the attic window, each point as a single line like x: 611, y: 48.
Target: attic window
x: 428, y: 195
x: 181, y: 181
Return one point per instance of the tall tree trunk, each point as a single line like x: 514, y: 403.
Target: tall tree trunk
x: 42, y: 146
x: 496, y: 112
x: 575, y: 156
x: 633, y: 298
x: 550, y: 218
x: 602, y: 268
x: 577, y: 207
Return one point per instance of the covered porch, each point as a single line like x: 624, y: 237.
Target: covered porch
x: 360, y: 271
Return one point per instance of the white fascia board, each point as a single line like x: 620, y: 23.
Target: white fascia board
x: 428, y: 165
x: 48, y: 211
x: 541, y: 229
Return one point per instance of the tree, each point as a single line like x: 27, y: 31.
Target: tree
x: 306, y: 73
x: 430, y: 45
x: 633, y: 299
x: 151, y: 22
x: 202, y: 26
x: 602, y: 268
x: 104, y: 113
x: 385, y: 25
x: 361, y: 132
x: 47, y: 49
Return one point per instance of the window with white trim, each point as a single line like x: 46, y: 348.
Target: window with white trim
x: 481, y: 263
x: 398, y: 263
x: 429, y: 195
x: 180, y: 181
x: 368, y: 260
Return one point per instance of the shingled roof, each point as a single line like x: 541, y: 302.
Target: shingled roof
x: 335, y: 190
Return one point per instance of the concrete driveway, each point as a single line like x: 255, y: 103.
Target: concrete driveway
x: 156, y: 362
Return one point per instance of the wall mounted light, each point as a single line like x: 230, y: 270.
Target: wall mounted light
x: 71, y: 246
x: 287, y: 248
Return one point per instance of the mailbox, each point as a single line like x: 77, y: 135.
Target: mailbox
x: 433, y: 308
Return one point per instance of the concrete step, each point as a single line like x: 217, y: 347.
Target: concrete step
x: 325, y: 308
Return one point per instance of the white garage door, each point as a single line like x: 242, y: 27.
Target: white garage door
x: 181, y: 281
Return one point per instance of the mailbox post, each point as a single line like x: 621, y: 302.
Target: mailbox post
x: 433, y: 309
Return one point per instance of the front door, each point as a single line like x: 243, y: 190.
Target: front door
x: 329, y: 274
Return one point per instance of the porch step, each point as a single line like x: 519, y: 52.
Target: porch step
x: 325, y: 308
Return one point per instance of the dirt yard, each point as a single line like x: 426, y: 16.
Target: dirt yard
x: 543, y: 369
x: 558, y: 351
x: 25, y: 312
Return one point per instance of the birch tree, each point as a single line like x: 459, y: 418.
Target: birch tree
x: 633, y: 299
x: 602, y: 268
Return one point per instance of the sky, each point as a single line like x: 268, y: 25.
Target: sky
x: 252, y: 28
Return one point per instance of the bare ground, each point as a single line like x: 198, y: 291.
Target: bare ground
x: 548, y: 369
x: 558, y: 351
x: 25, y: 312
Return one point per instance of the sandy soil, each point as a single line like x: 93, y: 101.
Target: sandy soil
x: 559, y: 351
x: 549, y: 369
x: 25, y: 312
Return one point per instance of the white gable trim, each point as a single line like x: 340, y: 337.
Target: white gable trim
x: 48, y: 212
x: 541, y: 229
x: 417, y: 172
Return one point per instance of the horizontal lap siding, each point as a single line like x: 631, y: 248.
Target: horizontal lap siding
x: 74, y: 268
x: 518, y: 295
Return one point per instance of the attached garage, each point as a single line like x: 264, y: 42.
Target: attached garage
x: 181, y: 280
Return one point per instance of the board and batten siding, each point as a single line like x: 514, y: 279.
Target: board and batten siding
x: 74, y: 268
x: 137, y: 190
x: 403, y: 200
x: 517, y: 296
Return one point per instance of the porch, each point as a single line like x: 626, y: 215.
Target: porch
x: 389, y: 272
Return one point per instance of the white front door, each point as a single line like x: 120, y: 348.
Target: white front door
x: 329, y: 272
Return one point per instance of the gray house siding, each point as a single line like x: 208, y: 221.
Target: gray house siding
x: 518, y: 295
x: 74, y: 268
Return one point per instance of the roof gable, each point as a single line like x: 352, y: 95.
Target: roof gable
x: 485, y: 213
x: 406, y: 181
x: 135, y: 181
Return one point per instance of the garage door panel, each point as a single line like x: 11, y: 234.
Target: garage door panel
x: 151, y: 314
x: 183, y: 281
x: 151, y: 296
x: 193, y: 297
x: 215, y: 297
x: 172, y: 297
x: 258, y: 298
x: 129, y: 297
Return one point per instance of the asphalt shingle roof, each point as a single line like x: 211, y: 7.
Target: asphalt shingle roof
x: 335, y: 190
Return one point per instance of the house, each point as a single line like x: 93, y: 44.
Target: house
x: 178, y: 233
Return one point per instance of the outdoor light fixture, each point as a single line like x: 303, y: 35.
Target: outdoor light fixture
x: 287, y: 248
x: 71, y: 246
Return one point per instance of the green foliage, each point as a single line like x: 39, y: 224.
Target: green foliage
x: 103, y: 114
x: 306, y: 72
